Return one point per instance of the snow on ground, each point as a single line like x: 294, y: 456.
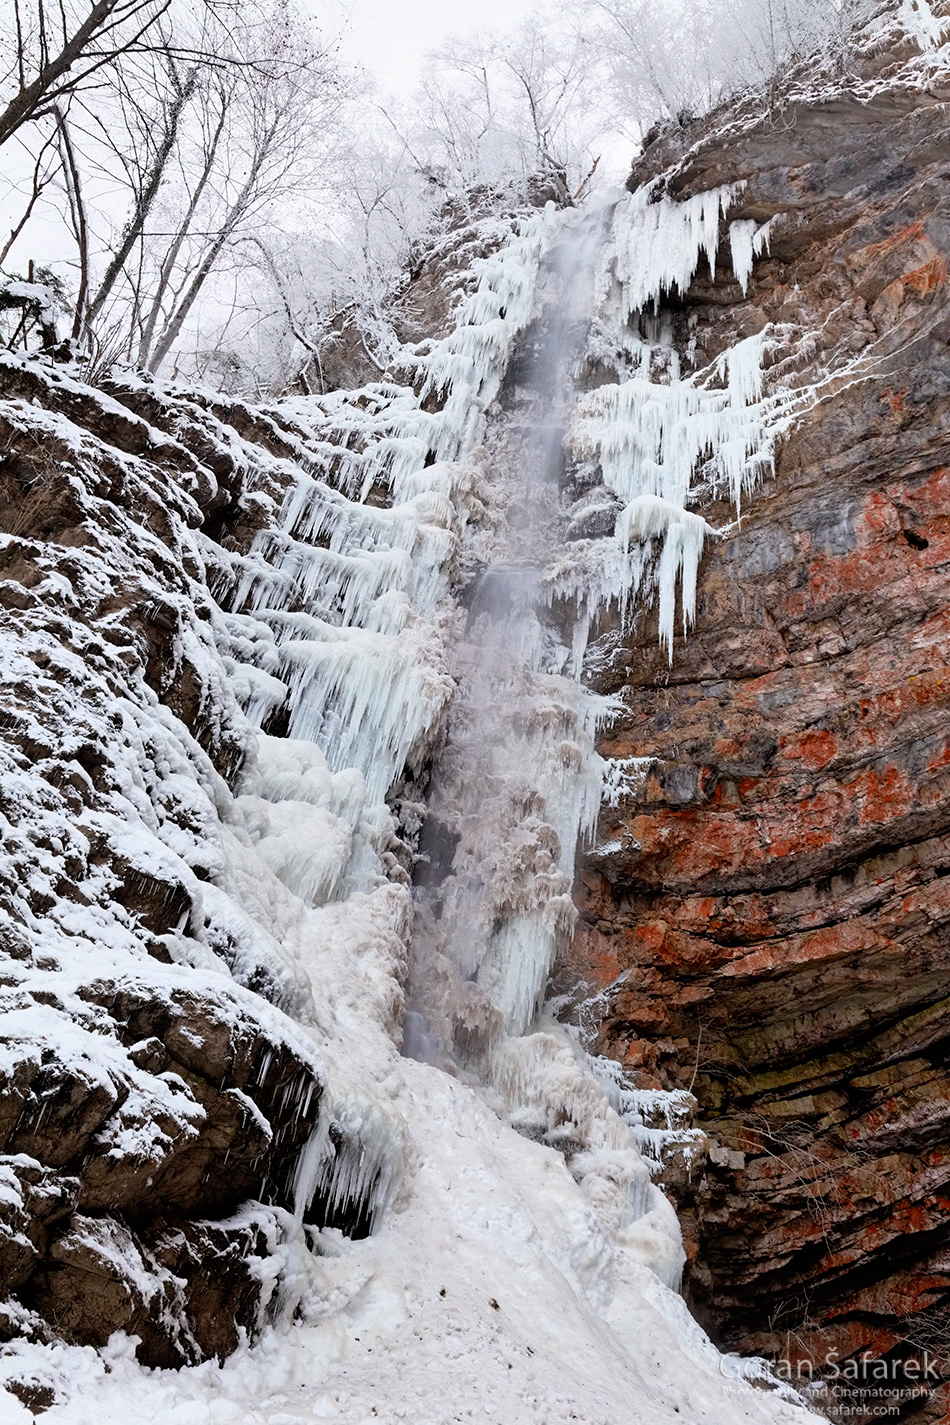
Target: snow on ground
x: 489, y: 1294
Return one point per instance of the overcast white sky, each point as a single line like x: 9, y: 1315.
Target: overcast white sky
x: 390, y: 37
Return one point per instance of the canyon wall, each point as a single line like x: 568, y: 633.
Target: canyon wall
x: 156, y: 1097
x: 766, y: 918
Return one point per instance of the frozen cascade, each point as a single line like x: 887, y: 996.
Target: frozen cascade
x: 415, y: 631
x: 519, y: 784
x: 336, y: 639
x: 347, y: 633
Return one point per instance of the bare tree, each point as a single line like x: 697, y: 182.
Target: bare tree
x: 552, y: 73
x: 212, y: 121
x: 78, y: 217
x: 503, y: 108
x: 148, y: 158
x: 201, y: 128
x: 668, y: 58
x: 58, y: 47
x: 261, y: 137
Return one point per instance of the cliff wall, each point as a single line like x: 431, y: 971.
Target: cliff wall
x: 155, y: 1095
x: 767, y: 920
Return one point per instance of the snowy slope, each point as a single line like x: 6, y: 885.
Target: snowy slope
x: 487, y: 1295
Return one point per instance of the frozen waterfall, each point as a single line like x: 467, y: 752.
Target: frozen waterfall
x: 517, y: 782
x: 409, y: 641
x: 475, y: 1223
x: 420, y: 620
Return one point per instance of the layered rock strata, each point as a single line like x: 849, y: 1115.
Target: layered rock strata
x: 155, y: 1099
x: 766, y: 920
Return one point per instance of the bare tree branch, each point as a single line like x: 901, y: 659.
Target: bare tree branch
x: 54, y: 78
x: 145, y: 197
x: 39, y: 182
x: 77, y: 208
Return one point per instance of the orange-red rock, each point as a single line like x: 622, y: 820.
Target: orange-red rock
x: 782, y: 935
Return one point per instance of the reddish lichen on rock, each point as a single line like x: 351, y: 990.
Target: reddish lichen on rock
x: 771, y: 927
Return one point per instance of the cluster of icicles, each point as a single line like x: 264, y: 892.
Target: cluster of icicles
x: 344, y: 619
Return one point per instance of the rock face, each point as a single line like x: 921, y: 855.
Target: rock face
x: 442, y: 270
x: 768, y: 923
x: 154, y: 1100
x: 158, y: 1078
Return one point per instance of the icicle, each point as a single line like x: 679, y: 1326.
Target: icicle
x: 922, y: 24
x: 349, y: 1168
x: 367, y: 698
x: 741, y: 240
x: 659, y: 1119
x: 748, y: 241
x: 658, y: 244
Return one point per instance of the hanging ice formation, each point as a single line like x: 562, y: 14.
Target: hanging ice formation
x: 918, y: 19
x: 425, y: 609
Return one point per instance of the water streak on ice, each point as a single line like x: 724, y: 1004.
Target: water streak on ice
x: 496, y: 473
